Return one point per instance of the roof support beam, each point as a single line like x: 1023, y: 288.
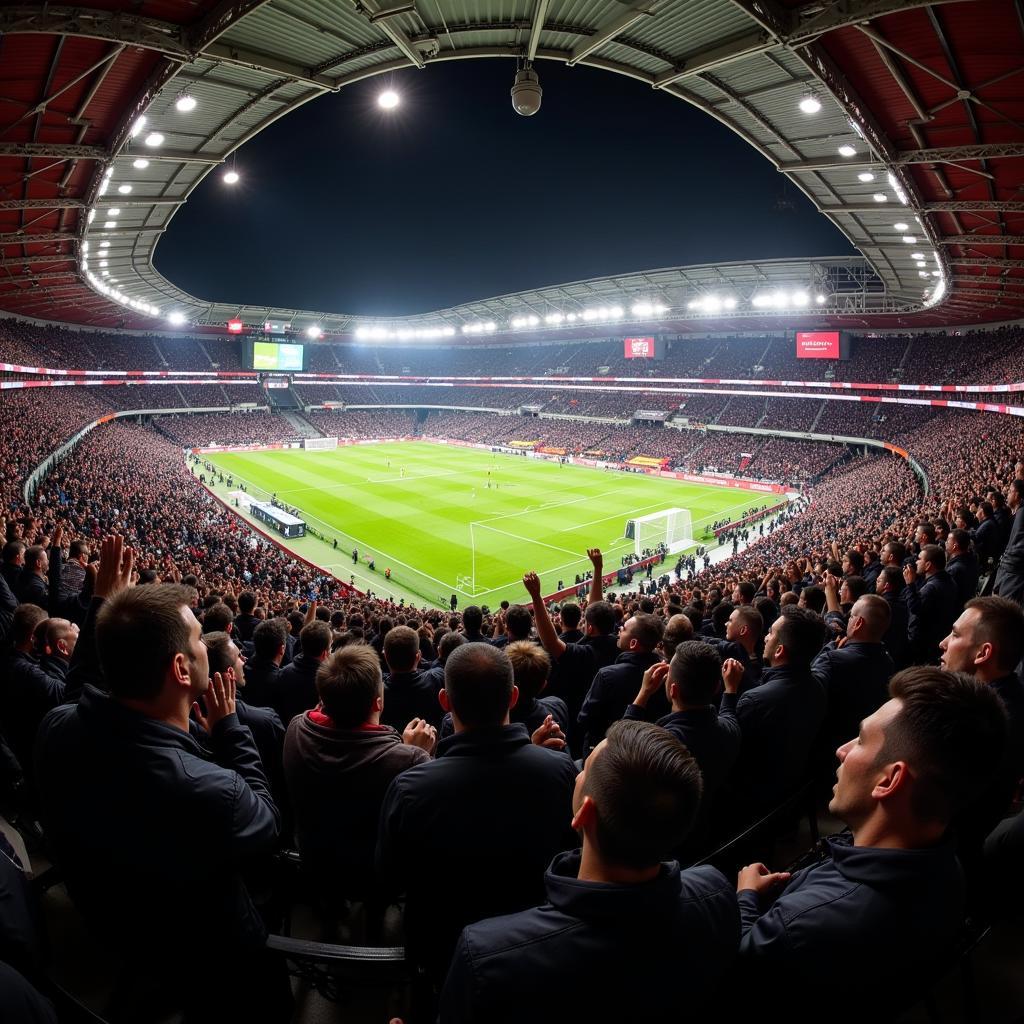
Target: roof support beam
x: 706, y: 60
x: 226, y: 14
x: 30, y: 150
x: 540, y: 13
x: 20, y: 238
x: 393, y: 32
x: 974, y: 261
x: 610, y: 29
x: 814, y: 19
x: 179, y: 156
x: 939, y: 155
x: 21, y: 261
x: 982, y: 240
x: 143, y: 33
x: 955, y: 206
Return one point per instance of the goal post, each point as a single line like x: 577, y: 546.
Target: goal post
x: 672, y: 527
x: 319, y: 444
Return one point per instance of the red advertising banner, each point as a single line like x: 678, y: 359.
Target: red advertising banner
x: 638, y: 348
x: 817, y: 344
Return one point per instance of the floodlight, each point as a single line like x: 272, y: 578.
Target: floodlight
x: 880, y: 197
x: 124, y: 189
x: 901, y: 226
x: 231, y: 177
x: 115, y: 212
x: 176, y: 319
x: 314, y: 332
x: 185, y: 103
x: 820, y: 300
x: 847, y: 150
x: 810, y: 104
x: 141, y: 164
x: 91, y: 217
x: 865, y: 176
x: 388, y: 100
x: 154, y: 139
x: 108, y: 224
x: 910, y: 239
x: 140, y: 123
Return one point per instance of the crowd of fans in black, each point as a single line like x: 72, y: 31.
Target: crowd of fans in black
x: 180, y: 701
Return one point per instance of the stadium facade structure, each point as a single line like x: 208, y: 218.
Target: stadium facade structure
x: 926, y: 97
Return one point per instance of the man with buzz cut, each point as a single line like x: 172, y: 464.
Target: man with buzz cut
x: 469, y: 834
x: 893, y: 881
x: 605, y: 946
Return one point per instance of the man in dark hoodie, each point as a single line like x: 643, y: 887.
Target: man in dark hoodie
x: 338, y: 763
x: 294, y: 689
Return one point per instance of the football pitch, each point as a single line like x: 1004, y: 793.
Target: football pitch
x: 446, y: 519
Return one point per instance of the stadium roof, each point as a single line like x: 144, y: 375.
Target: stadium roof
x: 925, y: 98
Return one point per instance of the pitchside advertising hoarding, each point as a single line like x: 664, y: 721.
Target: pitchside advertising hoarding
x: 820, y: 345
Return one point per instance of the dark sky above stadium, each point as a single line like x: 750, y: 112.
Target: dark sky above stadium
x: 453, y: 196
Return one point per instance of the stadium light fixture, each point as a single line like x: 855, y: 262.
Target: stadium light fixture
x: 91, y: 217
x: 108, y: 224
x: 103, y: 263
x: 572, y: 318
x: 865, y: 176
x: 799, y: 299
x: 880, y: 197
x: 388, y: 100
x: 114, y: 212
x: 185, y: 103
x: 895, y: 185
x: 847, y: 150
x: 124, y: 189
x: 922, y: 273
x: 810, y: 104
x: 154, y: 139
x: 936, y: 273
x: 820, y: 299
x: 104, y: 245
x: 104, y: 185
x: 231, y: 177
x: 901, y: 225
x: 140, y: 123
x: 314, y: 333
x: 176, y: 319
x: 910, y: 239
x: 141, y: 164
x: 553, y: 318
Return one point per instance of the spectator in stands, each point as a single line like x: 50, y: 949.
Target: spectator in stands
x: 517, y: 623
x: 28, y: 692
x: 14, y: 564
x: 245, y: 621
x: 34, y: 584
x: 434, y: 676
x: 678, y: 630
x: 614, y: 685
x: 931, y: 600
x: 890, y: 586
x: 614, y: 911
x: 469, y: 835
x: 743, y: 633
x: 72, y: 572
x: 408, y: 693
x: 986, y: 536
x: 339, y: 761
x: 780, y: 718
x: 531, y: 668
x: 142, y: 819
x: 692, y: 681
x: 1010, y: 575
x: 570, y: 615
x: 472, y: 620
x: 893, y: 881
x: 270, y: 640
x: 295, y: 686
x: 854, y: 672
x: 962, y: 566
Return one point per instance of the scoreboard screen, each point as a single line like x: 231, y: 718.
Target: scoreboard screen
x: 640, y: 348
x: 270, y: 355
x: 819, y: 345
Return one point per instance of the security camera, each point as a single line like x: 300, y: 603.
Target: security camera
x: 526, y: 92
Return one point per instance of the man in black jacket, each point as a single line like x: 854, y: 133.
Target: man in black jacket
x: 614, y: 685
x: 469, y: 834
x: 270, y: 641
x: 605, y: 946
x: 408, y: 693
x: 245, y: 621
x: 890, y: 586
x: 962, y: 566
x: 931, y: 600
x: 27, y: 692
x: 34, y: 584
x: 780, y: 718
x: 150, y: 829
x: 743, y: 632
x: 1010, y: 574
x: 295, y: 687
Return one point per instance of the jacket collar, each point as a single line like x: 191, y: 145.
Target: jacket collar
x: 878, y: 867
x: 502, y: 739
x: 610, y: 900
x: 642, y: 659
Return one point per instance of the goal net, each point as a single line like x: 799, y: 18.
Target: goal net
x: 672, y: 527
x: 317, y: 444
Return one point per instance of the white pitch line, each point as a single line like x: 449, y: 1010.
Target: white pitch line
x: 530, y: 509
x: 371, y: 480
x: 526, y: 540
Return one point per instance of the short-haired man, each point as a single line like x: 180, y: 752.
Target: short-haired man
x: 779, y: 718
x: 72, y: 571
x: 245, y: 621
x: 894, y: 881
x: 570, y: 615
x: 295, y: 686
x: 469, y: 835
x: 409, y: 693
x: 142, y: 819
x: 931, y: 600
x: 339, y: 761
x: 605, y: 946
x: 1010, y: 574
x: 854, y: 672
x: 889, y: 586
x: 962, y: 566
x: 28, y: 691
x: 34, y: 584
x: 692, y: 681
x: 434, y: 676
x: 743, y: 632
x: 518, y: 626
x: 614, y: 685
x: 270, y: 642
x: 678, y: 630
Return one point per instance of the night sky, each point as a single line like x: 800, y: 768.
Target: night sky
x: 454, y: 197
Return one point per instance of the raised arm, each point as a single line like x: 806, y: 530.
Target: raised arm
x: 596, y: 585
x: 546, y: 633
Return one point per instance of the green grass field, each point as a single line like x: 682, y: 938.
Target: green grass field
x: 425, y: 511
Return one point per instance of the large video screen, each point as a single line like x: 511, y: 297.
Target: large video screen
x: 640, y: 348
x: 818, y: 345
x: 269, y: 355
